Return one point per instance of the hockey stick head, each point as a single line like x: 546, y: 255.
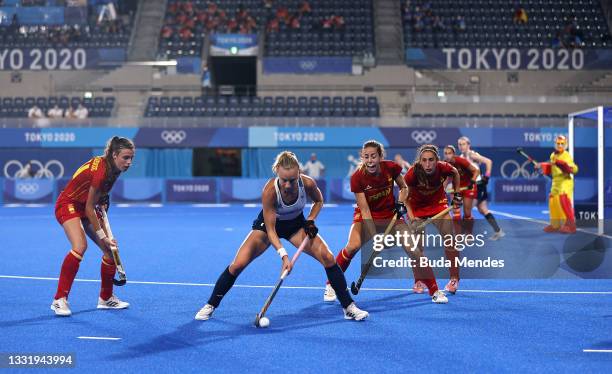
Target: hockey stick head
x: 354, y: 288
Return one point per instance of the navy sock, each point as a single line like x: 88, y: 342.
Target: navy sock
x: 224, y: 284
x: 338, y: 283
x: 492, y: 222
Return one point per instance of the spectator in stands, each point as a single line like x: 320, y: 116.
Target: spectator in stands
x: 273, y: 25
x: 313, y: 167
x: 81, y: 112
x: 305, y: 8
x: 326, y: 23
x: 35, y: 112
x: 167, y: 32
x: 282, y: 13
x: 185, y: 33
x: 294, y: 23
x: 438, y: 24
x: 520, y: 15
x: 268, y: 4
x: 70, y: 113
x: 55, y: 112
x: 338, y: 22
x: 418, y: 23
x: 459, y: 25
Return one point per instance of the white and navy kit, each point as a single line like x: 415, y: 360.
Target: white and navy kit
x: 481, y: 188
x: 289, y: 217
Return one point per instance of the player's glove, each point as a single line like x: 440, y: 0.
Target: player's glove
x: 457, y: 199
x: 564, y: 166
x: 470, y: 185
x: 400, y: 209
x: 311, y: 229
x: 484, y: 179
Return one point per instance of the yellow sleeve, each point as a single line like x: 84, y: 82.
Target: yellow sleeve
x: 568, y: 159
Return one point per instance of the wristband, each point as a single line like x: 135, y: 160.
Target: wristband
x: 101, y: 235
x: 282, y: 252
x: 488, y: 174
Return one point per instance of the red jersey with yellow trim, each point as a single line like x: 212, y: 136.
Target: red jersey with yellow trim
x: 378, y: 189
x: 90, y: 174
x: 463, y: 167
x: 427, y: 197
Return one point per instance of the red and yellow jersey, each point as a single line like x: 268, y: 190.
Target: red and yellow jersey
x: 463, y: 167
x: 90, y: 174
x: 426, y: 197
x: 378, y: 189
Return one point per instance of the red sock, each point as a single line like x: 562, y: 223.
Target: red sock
x: 425, y: 274
x: 344, y: 259
x: 70, y: 267
x: 107, y: 273
x: 568, y: 210
x: 452, y: 255
x: 468, y: 224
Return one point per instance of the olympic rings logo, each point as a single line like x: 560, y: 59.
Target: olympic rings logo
x: 512, y: 169
x: 27, y: 188
x: 308, y: 65
x: 424, y: 136
x: 14, y: 169
x: 173, y: 136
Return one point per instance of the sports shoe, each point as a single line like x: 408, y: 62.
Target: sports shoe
x: 452, y: 285
x: 498, y: 235
x: 352, y: 312
x: 61, y: 307
x: 419, y: 287
x: 113, y: 302
x: 205, y: 313
x: 551, y: 228
x: 439, y: 297
x: 568, y: 229
x: 330, y: 295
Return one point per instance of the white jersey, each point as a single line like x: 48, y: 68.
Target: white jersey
x: 468, y: 156
x: 286, y: 212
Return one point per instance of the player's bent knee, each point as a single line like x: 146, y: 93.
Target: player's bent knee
x: 80, y: 249
x: 327, y: 259
x: 236, y: 268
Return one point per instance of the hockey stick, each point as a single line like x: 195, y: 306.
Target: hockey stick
x: 266, y: 305
x: 355, y: 286
x: 529, y: 158
x: 115, y: 252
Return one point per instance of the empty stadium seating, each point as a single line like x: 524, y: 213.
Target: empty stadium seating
x: 490, y: 23
x: 17, y: 107
x: 268, y: 106
x: 354, y: 38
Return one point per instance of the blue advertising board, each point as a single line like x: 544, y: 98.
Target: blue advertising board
x: 60, y: 58
x: 509, y: 58
x: 307, y: 65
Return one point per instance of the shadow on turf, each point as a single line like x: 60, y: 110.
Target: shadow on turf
x: 192, y: 335
x: 45, y: 318
x: 195, y: 334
